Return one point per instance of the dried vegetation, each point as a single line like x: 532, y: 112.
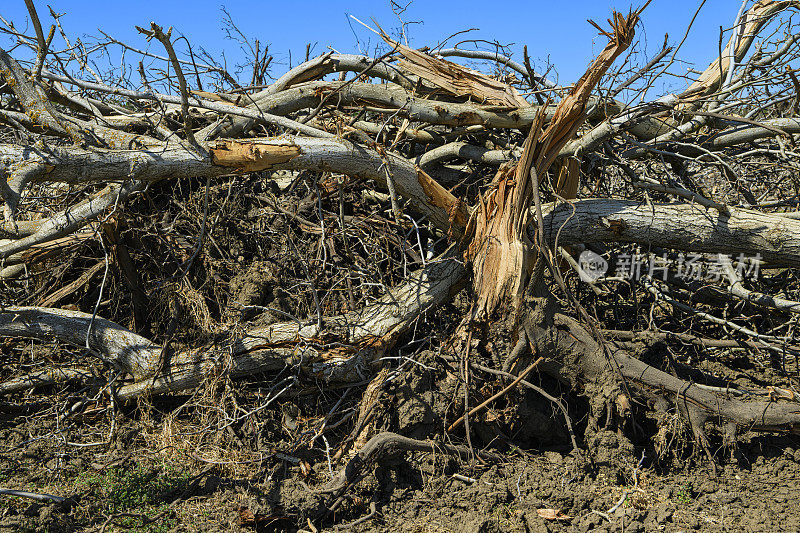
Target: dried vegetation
x: 287, y: 280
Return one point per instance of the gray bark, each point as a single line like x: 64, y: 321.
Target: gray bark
x: 679, y: 226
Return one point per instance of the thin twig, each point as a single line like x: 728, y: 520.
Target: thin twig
x: 510, y: 386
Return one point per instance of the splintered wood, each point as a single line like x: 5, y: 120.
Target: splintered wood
x: 501, y: 253
x: 455, y: 79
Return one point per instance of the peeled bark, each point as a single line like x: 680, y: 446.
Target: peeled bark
x: 754, y: 19
x: 77, y: 165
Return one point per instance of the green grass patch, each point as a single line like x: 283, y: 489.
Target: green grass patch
x: 141, y: 489
x: 684, y: 494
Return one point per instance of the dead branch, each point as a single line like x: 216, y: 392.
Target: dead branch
x: 185, y: 220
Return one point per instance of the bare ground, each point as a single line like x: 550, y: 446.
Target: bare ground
x: 157, y: 468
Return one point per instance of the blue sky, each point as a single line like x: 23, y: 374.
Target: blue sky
x: 553, y: 30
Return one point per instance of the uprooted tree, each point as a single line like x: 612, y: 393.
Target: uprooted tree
x: 368, y: 192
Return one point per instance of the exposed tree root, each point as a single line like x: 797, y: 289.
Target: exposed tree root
x: 575, y: 357
x: 387, y: 443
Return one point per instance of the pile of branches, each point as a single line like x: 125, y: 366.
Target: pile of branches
x: 164, y: 233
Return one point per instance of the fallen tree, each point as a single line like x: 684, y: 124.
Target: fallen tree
x: 183, y: 232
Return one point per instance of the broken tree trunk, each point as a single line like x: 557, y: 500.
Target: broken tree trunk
x: 500, y: 251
